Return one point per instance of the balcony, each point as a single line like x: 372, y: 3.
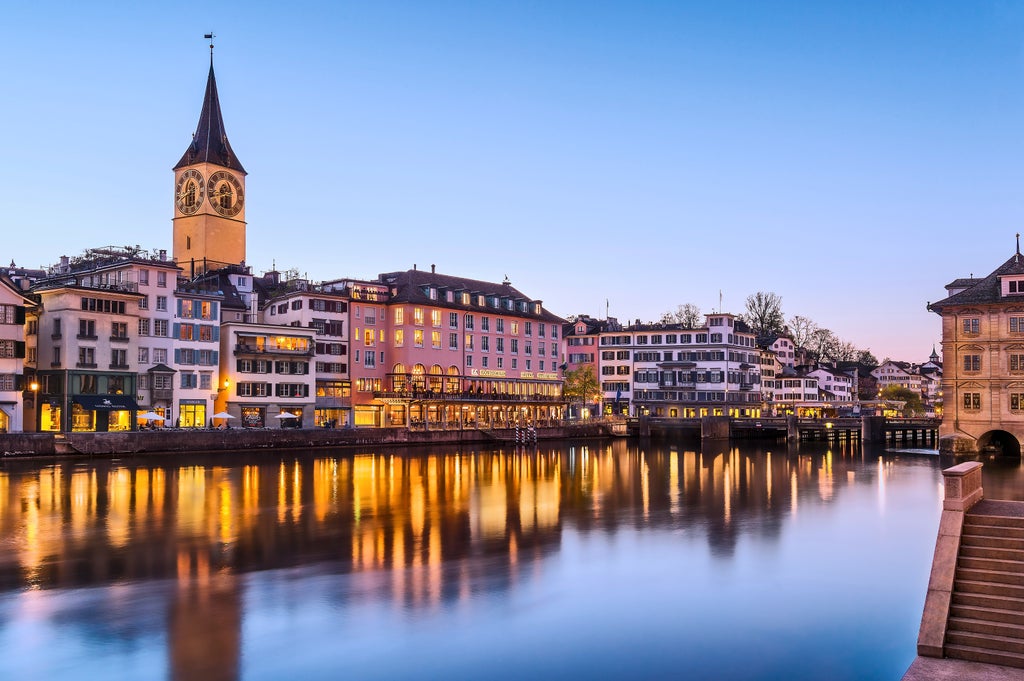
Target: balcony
x: 246, y: 349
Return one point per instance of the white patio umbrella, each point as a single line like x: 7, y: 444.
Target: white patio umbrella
x: 222, y: 415
x: 151, y: 416
x: 286, y: 415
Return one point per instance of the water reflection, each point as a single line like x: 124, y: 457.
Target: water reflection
x: 431, y: 529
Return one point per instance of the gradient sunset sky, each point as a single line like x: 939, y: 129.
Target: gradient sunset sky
x: 851, y: 157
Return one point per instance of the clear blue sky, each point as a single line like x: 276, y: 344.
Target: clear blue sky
x: 851, y: 157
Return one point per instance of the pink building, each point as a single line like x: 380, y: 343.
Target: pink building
x: 441, y: 351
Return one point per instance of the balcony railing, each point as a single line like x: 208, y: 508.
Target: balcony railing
x: 246, y: 349
x: 466, y: 396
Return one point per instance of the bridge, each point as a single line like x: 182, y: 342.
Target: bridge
x: 879, y: 429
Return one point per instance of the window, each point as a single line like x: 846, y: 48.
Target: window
x: 514, y: 326
x: 499, y: 343
x: 469, y: 322
x: 118, y: 358
x: 514, y: 346
x: 435, y: 318
x: 469, y: 342
x: 143, y: 327
x: 417, y: 338
x: 435, y: 340
x: 972, y: 401
x: 485, y: 323
x: 1017, y: 363
x: 399, y: 316
x: 185, y: 332
x: 161, y: 279
x: 205, y: 381
x: 453, y: 341
x: 453, y: 320
x: 500, y: 325
x: 159, y: 356
x: 972, y: 362
x: 501, y: 362
x: 483, y: 362
x: 161, y: 302
x: 86, y: 328
x: 972, y: 326
x: 87, y: 357
x: 399, y: 338
x: 144, y: 303
x: 1017, y: 324
x: 528, y: 328
x: 370, y: 359
x: 368, y: 337
x: 144, y: 277
x: 417, y: 316
x: 485, y: 343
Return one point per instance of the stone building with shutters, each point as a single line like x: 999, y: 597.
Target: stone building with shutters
x: 983, y: 361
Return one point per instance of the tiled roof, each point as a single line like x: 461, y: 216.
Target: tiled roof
x: 983, y: 290
x: 411, y: 286
x: 210, y: 141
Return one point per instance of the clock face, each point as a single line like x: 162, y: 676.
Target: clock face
x: 225, y: 192
x: 188, y: 195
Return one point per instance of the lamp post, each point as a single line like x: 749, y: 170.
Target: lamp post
x: 34, y: 386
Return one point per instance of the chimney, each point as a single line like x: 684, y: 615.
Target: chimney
x: 163, y: 255
x: 414, y: 267
x: 433, y: 269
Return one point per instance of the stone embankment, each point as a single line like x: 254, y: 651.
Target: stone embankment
x: 16, y: 445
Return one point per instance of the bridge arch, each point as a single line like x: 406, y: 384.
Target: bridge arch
x: 999, y: 442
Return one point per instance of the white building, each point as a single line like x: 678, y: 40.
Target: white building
x: 12, y: 357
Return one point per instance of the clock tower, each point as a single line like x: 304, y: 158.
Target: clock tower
x: 209, y: 194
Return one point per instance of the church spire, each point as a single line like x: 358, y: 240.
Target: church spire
x: 210, y: 141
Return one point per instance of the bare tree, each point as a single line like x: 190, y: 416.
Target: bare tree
x: 845, y: 351
x: 801, y: 329
x: 764, y: 313
x: 822, y: 344
x: 688, y: 315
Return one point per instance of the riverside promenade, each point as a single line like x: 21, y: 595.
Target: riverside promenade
x: 169, y: 440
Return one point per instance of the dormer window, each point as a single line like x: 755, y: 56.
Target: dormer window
x: 1013, y: 287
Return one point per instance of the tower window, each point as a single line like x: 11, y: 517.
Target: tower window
x: 188, y: 243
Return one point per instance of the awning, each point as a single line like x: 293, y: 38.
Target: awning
x: 106, y: 402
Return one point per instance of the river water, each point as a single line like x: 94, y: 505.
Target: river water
x: 591, y: 561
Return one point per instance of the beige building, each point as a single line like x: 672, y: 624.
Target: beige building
x: 983, y: 368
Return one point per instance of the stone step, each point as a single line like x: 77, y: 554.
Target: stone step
x: 974, y: 654
x: 993, y: 531
x: 996, y: 542
x: 977, y: 582
x: 999, y: 615
x: 993, y: 552
x: 991, y: 565
x: 1002, y: 644
x: 977, y: 520
x: 989, y: 602
x: 987, y: 628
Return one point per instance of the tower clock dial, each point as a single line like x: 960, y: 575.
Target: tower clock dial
x: 225, y: 193
x: 188, y: 195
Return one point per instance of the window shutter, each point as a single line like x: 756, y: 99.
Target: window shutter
x: 216, y: 333
x: 177, y: 329
x: 179, y: 306
x: 19, y: 382
x: 214, y: 310
x: 177, y: 354
x: 19, y: 314
x: 19, y: 349
x: 215, y: 357
x: 238, y: 389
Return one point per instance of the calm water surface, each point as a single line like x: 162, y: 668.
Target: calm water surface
x: 604, y: 561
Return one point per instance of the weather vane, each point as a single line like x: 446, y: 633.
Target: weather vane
x: 210, y: 36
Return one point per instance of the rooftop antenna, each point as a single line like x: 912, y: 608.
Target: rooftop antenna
x: 1018, y: 243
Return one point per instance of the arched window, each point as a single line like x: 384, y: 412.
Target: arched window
x: 398, y: 377
x: 418, y: 382
x: 451, y: 383
x: 225, y: 195
x: 435, y: 378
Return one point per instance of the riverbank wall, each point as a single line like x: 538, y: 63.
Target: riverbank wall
x: 19, y: 445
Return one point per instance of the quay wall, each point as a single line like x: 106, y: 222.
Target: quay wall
x: 234, y: 439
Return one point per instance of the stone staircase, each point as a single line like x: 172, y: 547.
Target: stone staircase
x: 986, y: 613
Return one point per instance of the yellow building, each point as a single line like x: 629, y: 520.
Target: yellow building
x: 983, y: 369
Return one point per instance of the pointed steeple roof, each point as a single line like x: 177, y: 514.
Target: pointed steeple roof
x: 210, y: 142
